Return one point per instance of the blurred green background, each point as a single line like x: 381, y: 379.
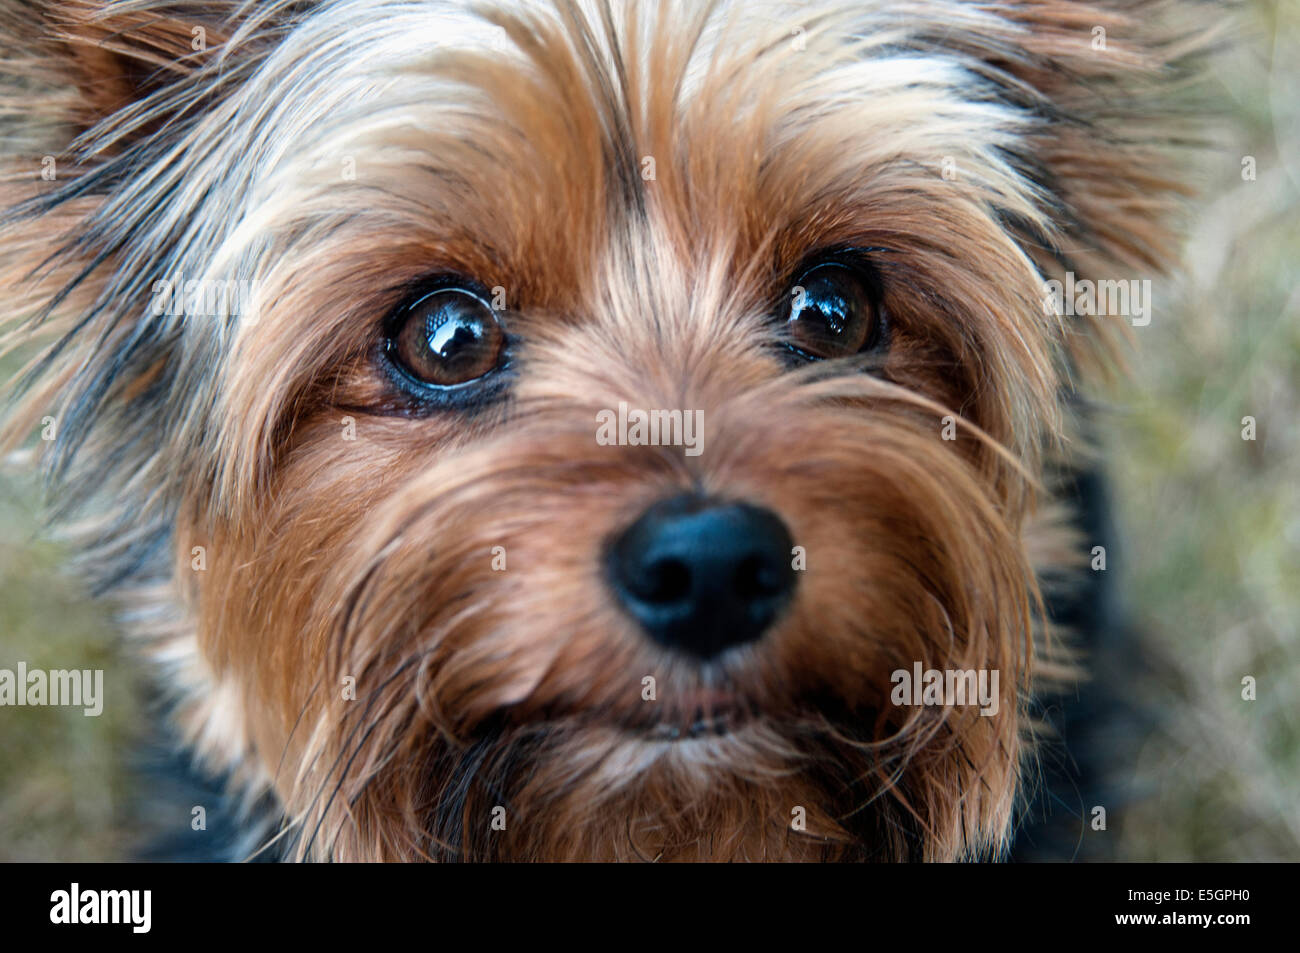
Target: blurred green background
x: 1213, y: 521
x: 1212, y: 524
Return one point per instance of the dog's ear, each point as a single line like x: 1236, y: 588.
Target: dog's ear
x: 117, y: 57
x: 122, y: 66
x: 1113, y: 88
x: 96, y: 97
x: 92, y: 93
x: 1105, y: 73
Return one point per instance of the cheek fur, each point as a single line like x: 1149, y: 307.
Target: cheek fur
x: 372, y: 564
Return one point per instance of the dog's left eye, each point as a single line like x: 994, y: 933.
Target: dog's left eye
x: 834, y: 312
x: 447, y: 338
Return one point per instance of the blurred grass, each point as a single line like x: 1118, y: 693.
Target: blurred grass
x: 1212, y: 521
x: 63, y: 780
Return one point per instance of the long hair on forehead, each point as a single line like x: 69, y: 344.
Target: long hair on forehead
x: 160, y: 184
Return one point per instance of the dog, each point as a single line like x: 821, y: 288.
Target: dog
x: 589, y: 431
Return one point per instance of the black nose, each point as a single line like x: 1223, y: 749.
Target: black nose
x: 701, y: 576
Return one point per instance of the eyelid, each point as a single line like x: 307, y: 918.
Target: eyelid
x: 858, y: 259
x: 418, y: 292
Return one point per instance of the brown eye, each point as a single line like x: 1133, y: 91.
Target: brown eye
x: 446, y: 338
x: 833, y: 312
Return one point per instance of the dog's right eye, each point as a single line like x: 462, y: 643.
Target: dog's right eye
x: 446, y: 338
x: 834, y: 312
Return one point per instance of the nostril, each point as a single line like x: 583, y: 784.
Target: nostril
x: 757, y: 578
x: 665, y: 582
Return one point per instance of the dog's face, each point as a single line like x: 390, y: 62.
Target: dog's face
x: 434, y: 597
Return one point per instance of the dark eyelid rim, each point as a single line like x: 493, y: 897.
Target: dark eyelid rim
x: 420, y: 291
x: 857, y: 258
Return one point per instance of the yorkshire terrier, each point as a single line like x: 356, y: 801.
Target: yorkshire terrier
x: 599, y: 430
